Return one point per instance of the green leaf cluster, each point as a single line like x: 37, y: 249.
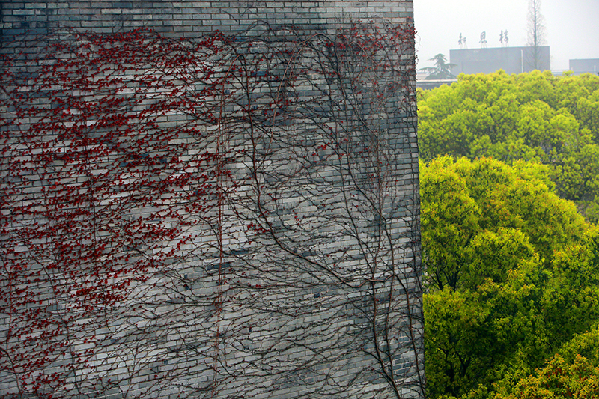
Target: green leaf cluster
x: 533, y: 116
x: 512, y: 276
x: 573, y: 372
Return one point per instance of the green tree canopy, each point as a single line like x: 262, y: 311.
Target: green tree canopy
x: 534, y: 116
x: 512, y: 272
x: 471, y: 208
x: 571, y: 373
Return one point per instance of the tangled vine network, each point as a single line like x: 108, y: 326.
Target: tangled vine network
x: 231, y: 216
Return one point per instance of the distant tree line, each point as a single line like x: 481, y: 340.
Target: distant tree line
x: 441, y: 70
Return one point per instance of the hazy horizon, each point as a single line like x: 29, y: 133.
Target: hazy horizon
x: 572, y: 27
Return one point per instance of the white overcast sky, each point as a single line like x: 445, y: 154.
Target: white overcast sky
x: 572, y: 26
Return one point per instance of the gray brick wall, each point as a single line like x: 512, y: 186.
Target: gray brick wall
x: 188, y: 18
x: 310, y: 309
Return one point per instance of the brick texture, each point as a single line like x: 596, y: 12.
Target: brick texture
x: 288, y: 314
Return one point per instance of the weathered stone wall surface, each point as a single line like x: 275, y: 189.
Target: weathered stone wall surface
x: 189, y: 18
x: 299, y: 277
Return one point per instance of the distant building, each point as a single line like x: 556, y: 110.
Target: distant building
x: 585, y: 65
x: 487, y: 60
x: 434, y: 83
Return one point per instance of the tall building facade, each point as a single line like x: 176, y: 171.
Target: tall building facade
x: 209, y: 199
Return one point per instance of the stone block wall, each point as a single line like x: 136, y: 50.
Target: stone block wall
x: 264, y: 183
x: 189, y: 18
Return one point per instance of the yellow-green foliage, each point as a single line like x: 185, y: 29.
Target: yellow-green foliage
x: 559, y: 379
x: 572, y: 373
x: 512, y: 274
x: 534, y: 116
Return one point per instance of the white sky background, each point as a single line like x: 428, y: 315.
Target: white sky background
x: 571, y: 26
